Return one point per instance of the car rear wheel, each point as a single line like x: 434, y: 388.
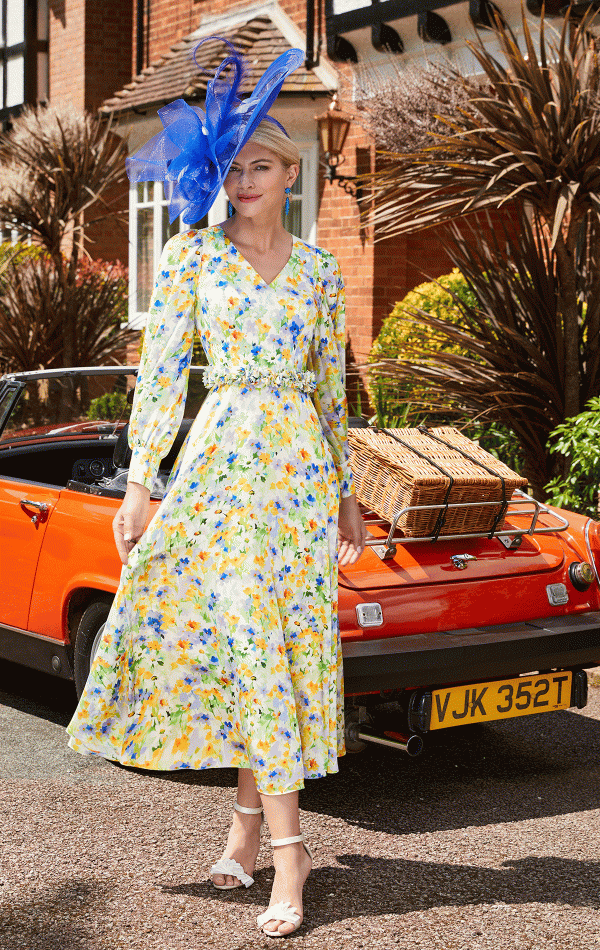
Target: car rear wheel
x: 89, y: 634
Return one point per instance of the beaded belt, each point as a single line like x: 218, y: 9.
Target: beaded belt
x: 259, y: 376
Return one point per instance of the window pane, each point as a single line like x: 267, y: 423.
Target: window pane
x: 15, y: 81
x: 145, y: 192
x: 43, y: 88
x: 145, y: 258
x: 293, y: 221
x: 42, y: 20
x: 15, y: 23
x: 168, y: 230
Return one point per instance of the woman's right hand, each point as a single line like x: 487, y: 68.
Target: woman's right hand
x: 130, y: 520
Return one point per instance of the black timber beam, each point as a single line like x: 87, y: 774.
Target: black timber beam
x: 383, y: 12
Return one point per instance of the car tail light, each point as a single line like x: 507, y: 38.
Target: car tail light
x: 582, y: 575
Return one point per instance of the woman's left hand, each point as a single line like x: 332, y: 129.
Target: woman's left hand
x: 352, y: 534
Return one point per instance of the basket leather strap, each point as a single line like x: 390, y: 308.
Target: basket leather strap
x: 490, y: 471
x: 441, y: 518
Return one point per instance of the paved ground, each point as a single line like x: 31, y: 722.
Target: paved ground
x: 489, y: 840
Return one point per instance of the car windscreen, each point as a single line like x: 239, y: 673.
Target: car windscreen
x: 81, y: 403
x: 6, y: 400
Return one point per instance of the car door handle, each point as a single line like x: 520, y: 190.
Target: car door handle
x: 42, y: 507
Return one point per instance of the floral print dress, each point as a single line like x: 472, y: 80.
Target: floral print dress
x: 222, y: 645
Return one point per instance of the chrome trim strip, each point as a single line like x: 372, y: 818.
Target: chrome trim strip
x: 80, y: 370
x: 29, y: 633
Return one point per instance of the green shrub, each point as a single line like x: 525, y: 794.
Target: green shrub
x: 18, y: 252
x: 578, y: 440
x: 109, y: 406
x: 389, y: 413
x: 399, y: 403
x: 498, y: 440
x: 402, y: 338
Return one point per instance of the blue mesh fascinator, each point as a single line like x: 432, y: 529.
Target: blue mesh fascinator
x: 195, y: 149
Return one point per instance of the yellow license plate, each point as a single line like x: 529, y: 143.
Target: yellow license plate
x: 502, y: 699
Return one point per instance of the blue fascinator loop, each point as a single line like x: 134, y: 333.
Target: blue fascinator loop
x: 194, y: 151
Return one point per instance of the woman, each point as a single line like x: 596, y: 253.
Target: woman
x: 222, y: 646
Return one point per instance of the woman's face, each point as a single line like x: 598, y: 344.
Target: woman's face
x: 257, y: 180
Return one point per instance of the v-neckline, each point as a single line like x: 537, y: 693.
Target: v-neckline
x: 251, y: 266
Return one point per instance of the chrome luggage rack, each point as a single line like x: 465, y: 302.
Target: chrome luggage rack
x: 385, y: 548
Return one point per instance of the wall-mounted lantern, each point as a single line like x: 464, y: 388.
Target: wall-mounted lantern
x: 333, y: 129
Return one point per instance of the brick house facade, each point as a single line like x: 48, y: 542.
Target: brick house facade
x: 123, y: 55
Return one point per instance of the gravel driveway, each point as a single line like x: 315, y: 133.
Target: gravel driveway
x: 489, y: 840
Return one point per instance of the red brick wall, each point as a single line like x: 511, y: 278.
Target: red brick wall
x: 67, y: 51
x: 90, y: 58
x: 108, y: 239
x: 90, y: 50
x: 340, y: 231
x: 172, y: 19
x: 93, y: 54
x: 108, y: 44
x: 109, y: 30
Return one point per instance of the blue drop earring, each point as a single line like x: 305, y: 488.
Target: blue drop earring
x: 288, y: 192
x: 229, y: 210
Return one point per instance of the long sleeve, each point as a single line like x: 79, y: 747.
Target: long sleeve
x: 326, y: 359
x: 161, y: 387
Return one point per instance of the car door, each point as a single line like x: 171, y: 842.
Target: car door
x: 25, y: 509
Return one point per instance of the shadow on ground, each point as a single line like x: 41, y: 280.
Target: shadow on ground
x: 56, y: 917
x: 37, y: 694
x: 506, y: 771
x: 373, y: 886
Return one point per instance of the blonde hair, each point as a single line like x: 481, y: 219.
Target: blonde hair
x: 271, y: 136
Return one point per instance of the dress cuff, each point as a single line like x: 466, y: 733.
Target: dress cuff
x: 346, y: 483
x: 142, y: 468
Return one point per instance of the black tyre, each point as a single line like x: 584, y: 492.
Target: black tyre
x: 89, y: 634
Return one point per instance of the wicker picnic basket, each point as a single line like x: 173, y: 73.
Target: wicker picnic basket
x: 397, y: 468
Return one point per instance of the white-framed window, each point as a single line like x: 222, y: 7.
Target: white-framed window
x: 149, y: 227
x: 23, y: 55
x: 149, y: 230
x: 302, y: 219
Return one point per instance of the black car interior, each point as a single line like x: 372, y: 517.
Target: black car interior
x: 85, y: 464
x: 79, y: 464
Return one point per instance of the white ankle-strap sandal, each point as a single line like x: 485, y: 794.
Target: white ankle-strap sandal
x: 227, y: 866
x: 283, y: 911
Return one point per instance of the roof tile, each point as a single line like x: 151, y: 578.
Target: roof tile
x: 176, y: 74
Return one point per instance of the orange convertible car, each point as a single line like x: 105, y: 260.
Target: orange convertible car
x: 435, y: 633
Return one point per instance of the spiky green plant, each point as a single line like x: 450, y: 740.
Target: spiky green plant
x: 507, y: 360
x: 529, y: 137
x: 30, y: 313
x: 34, y: 304
x: 61, y: 171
